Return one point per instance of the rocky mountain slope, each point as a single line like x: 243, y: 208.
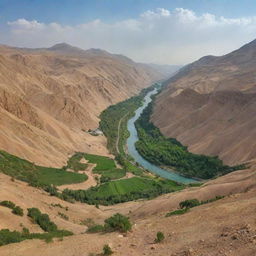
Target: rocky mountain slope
x: 49, y: 97
x: 210, y: 106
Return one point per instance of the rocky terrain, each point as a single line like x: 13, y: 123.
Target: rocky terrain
x: 205, y: 230
x: 210, y: 106
x: 50, y: 97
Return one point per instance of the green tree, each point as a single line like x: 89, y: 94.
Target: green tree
x: 159, y: 237
x: 17, y: 210
x: 118, y: 222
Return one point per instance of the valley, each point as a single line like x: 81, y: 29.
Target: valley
x: 132, y: 189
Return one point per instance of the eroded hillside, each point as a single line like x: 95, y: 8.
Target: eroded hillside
x: 210, y: 106
x: 50, y: 97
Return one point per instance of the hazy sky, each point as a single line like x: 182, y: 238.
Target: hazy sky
x: 159, y: 31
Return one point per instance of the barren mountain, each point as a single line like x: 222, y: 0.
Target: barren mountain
x: 210, y: 106
x: 49, y: 97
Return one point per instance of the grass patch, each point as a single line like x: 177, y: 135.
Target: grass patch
x: 75, y: 164
x: 40, y: 176
x: 103, y: 163
x: 106, y: 167
x: 123, y: 190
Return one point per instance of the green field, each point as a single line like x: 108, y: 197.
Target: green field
x: 24, y: 170
x: 74, y: 162
x: 59, y: 177
x: 124, y: 190
x: 102, y: 162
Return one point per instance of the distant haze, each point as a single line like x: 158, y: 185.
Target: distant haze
x: 161, y: 36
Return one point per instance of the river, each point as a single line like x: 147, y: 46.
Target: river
x: 171, y: 175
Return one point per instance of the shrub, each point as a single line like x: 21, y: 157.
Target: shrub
x: 18, y: 211
x: 8, y: 204
x: 95, y: 229
x: 42, y: 220
x: 118, y: 222
x: 107, y: 250
x: 189, y: 203
x: 159, y: 237
x: 177, y: 212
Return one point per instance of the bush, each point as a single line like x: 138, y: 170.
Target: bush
x: 8, y: 204
x: 177, y: 212
x: 189, y: 203
x: 18, y: 211
x: 95, y: 229
x: 159, y: 237
x: 107, y: 250
x: 42, y: 220
x: 15, y: 209
x: 118, y: 222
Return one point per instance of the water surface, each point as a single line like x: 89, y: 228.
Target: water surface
x: 171, y: 175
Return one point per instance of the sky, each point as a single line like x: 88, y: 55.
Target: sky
x: 152, y: 31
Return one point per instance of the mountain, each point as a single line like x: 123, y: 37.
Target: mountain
x: 167, y: 70
x: 233, y: 71
x: 209, y: 105
x: 50, y: 96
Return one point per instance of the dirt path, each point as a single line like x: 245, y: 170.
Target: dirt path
x: 118, y: 133
x: 90, y: 182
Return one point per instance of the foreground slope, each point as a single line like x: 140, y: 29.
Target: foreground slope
x: 50, y: 97
x: 210, y: 106
x: 204, y: 230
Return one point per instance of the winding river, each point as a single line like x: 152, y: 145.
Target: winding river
x: 171, y: 175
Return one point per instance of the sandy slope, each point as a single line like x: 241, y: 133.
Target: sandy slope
x: 198, y: 231
x: 48, y: 97
x: 210, y: 106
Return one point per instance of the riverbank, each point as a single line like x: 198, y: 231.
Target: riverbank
x: 162, y: 151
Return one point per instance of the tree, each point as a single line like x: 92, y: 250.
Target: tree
x: 189, y: 203
x: 118, y: 222
x: 159, y: 237
x: 17, y: 210
x: 107, y: 250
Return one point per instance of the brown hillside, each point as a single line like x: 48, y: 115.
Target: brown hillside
x: 210, y: 106
x: 48, y: 96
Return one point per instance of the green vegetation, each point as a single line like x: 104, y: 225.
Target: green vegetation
x: 117, y: 116
x: 103, y: 163
x: 43, y: 220
x: 63, y: 216
x: 75, y: 164
x: 107, y: 250
x: 8, y: 237
x: 106, y: 167
x: 95, y: 229
x: 117, y: 222
x: 17, y: 210
x: 8, y: 204
x: 123, y: 190
x: 159, y: 237
x: 177, y: 212
x: 190, y: 203
x: 35, y: 175
x: 159, y: 150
